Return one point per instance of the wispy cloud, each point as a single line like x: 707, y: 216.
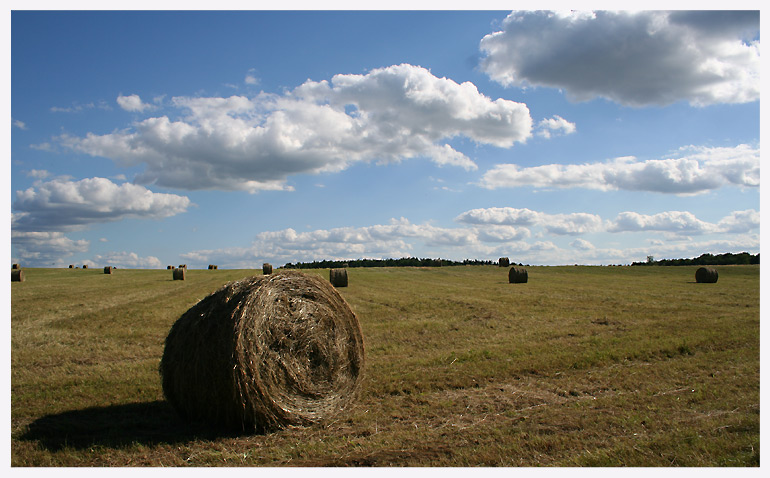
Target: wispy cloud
x: 632, y: 58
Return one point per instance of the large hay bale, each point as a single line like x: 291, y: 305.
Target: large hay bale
x: 108, y: 270
x: 706, y: 275
x: 17, y: 275
x: 504, y: 262
x: 338, y: 277
x: 16, y: 266
x: 517, y: 275
x: 264, y: 352
x: 179, y: 273
x: 267, y: 269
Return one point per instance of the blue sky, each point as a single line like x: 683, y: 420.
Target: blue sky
x: 146, y: 138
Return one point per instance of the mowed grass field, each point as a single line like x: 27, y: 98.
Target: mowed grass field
x: 581, y: 366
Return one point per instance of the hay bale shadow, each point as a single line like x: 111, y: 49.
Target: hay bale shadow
x: 117, y: 426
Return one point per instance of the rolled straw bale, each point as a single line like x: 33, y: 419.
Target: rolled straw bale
x: 72, y: 266
x: 264, y: 352
x: 211, y: 267
x: 338, y: 277
x: 169, y: 268
x: 216, y: 267
x: 17, y: 275
x: 16, y: 266
x: 183, y: 266
x: 267, y: 269
x: 85, y: 266
x: 108, y: 270
x: 179, y: 273
x: 517, y: 275
x: 706, y: 275
x: 504, y: 262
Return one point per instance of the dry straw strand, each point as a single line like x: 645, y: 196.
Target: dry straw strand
x: 706, y: 275
x: 517, y: 275
x: 264, y: 353
x: 338, y: 277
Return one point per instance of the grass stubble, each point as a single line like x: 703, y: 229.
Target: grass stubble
x: 581, y: 366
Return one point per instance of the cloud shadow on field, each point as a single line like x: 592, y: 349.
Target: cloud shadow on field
x: 117, y: 426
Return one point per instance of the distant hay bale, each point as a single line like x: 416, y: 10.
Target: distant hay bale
x: 267, y: 269
x: 211, y: 267
x: 72, y: 266
x: 169, y: 268
x: 108, y: 270
x: 183, y: 266
x: 179, y: 273
x: 16, y: 266
x: 85, y: 266
x: 338, y: 277
x: 216, y: 267
x: 17, y: 275
x: 504, y: 262
x: 517, y: 275
x: 706, y: 275
x: 263, y: 353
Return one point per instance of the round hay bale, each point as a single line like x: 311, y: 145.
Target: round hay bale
x: 267, y: 269
x: 338, y: 277
x: 183, y: 266
x: 706, y: 275
x: 169, y: 268
x: 179, y: 273
x: 263, y: 353
x: 85, y: 266
x: 504, y: 262
x: 72, y: 266
x: 108, y: 270
x: 17, y: 275
x: 16, y: 266
x: 517, y: 275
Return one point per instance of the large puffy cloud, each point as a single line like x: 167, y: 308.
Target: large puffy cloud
x: 125, y: 259
x: 698, y: 169
x: 66, y: 205
x: 633, y: 58
x: 253, y: 144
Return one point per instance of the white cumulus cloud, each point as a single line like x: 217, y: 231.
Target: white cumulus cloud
x: 133, y: 103
x: 239, y: 143
x: 696, y: 170
x: 65, y: 205
x: 633, y: 58
x: 554, y: 127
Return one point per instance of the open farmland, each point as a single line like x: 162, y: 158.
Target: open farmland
x: 581, y: 366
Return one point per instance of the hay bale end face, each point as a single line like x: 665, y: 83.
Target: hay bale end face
x: 108, y: 270
x: 504, y: 262
x: 706, y: 275
x: 517, y: 275
x: 267, y: 269
x: 263, y: 353
x: 338, y: 277
x: 179, y: 273
x: 17, y: 275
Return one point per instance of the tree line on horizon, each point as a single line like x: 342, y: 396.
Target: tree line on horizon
x: 704, y: 260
